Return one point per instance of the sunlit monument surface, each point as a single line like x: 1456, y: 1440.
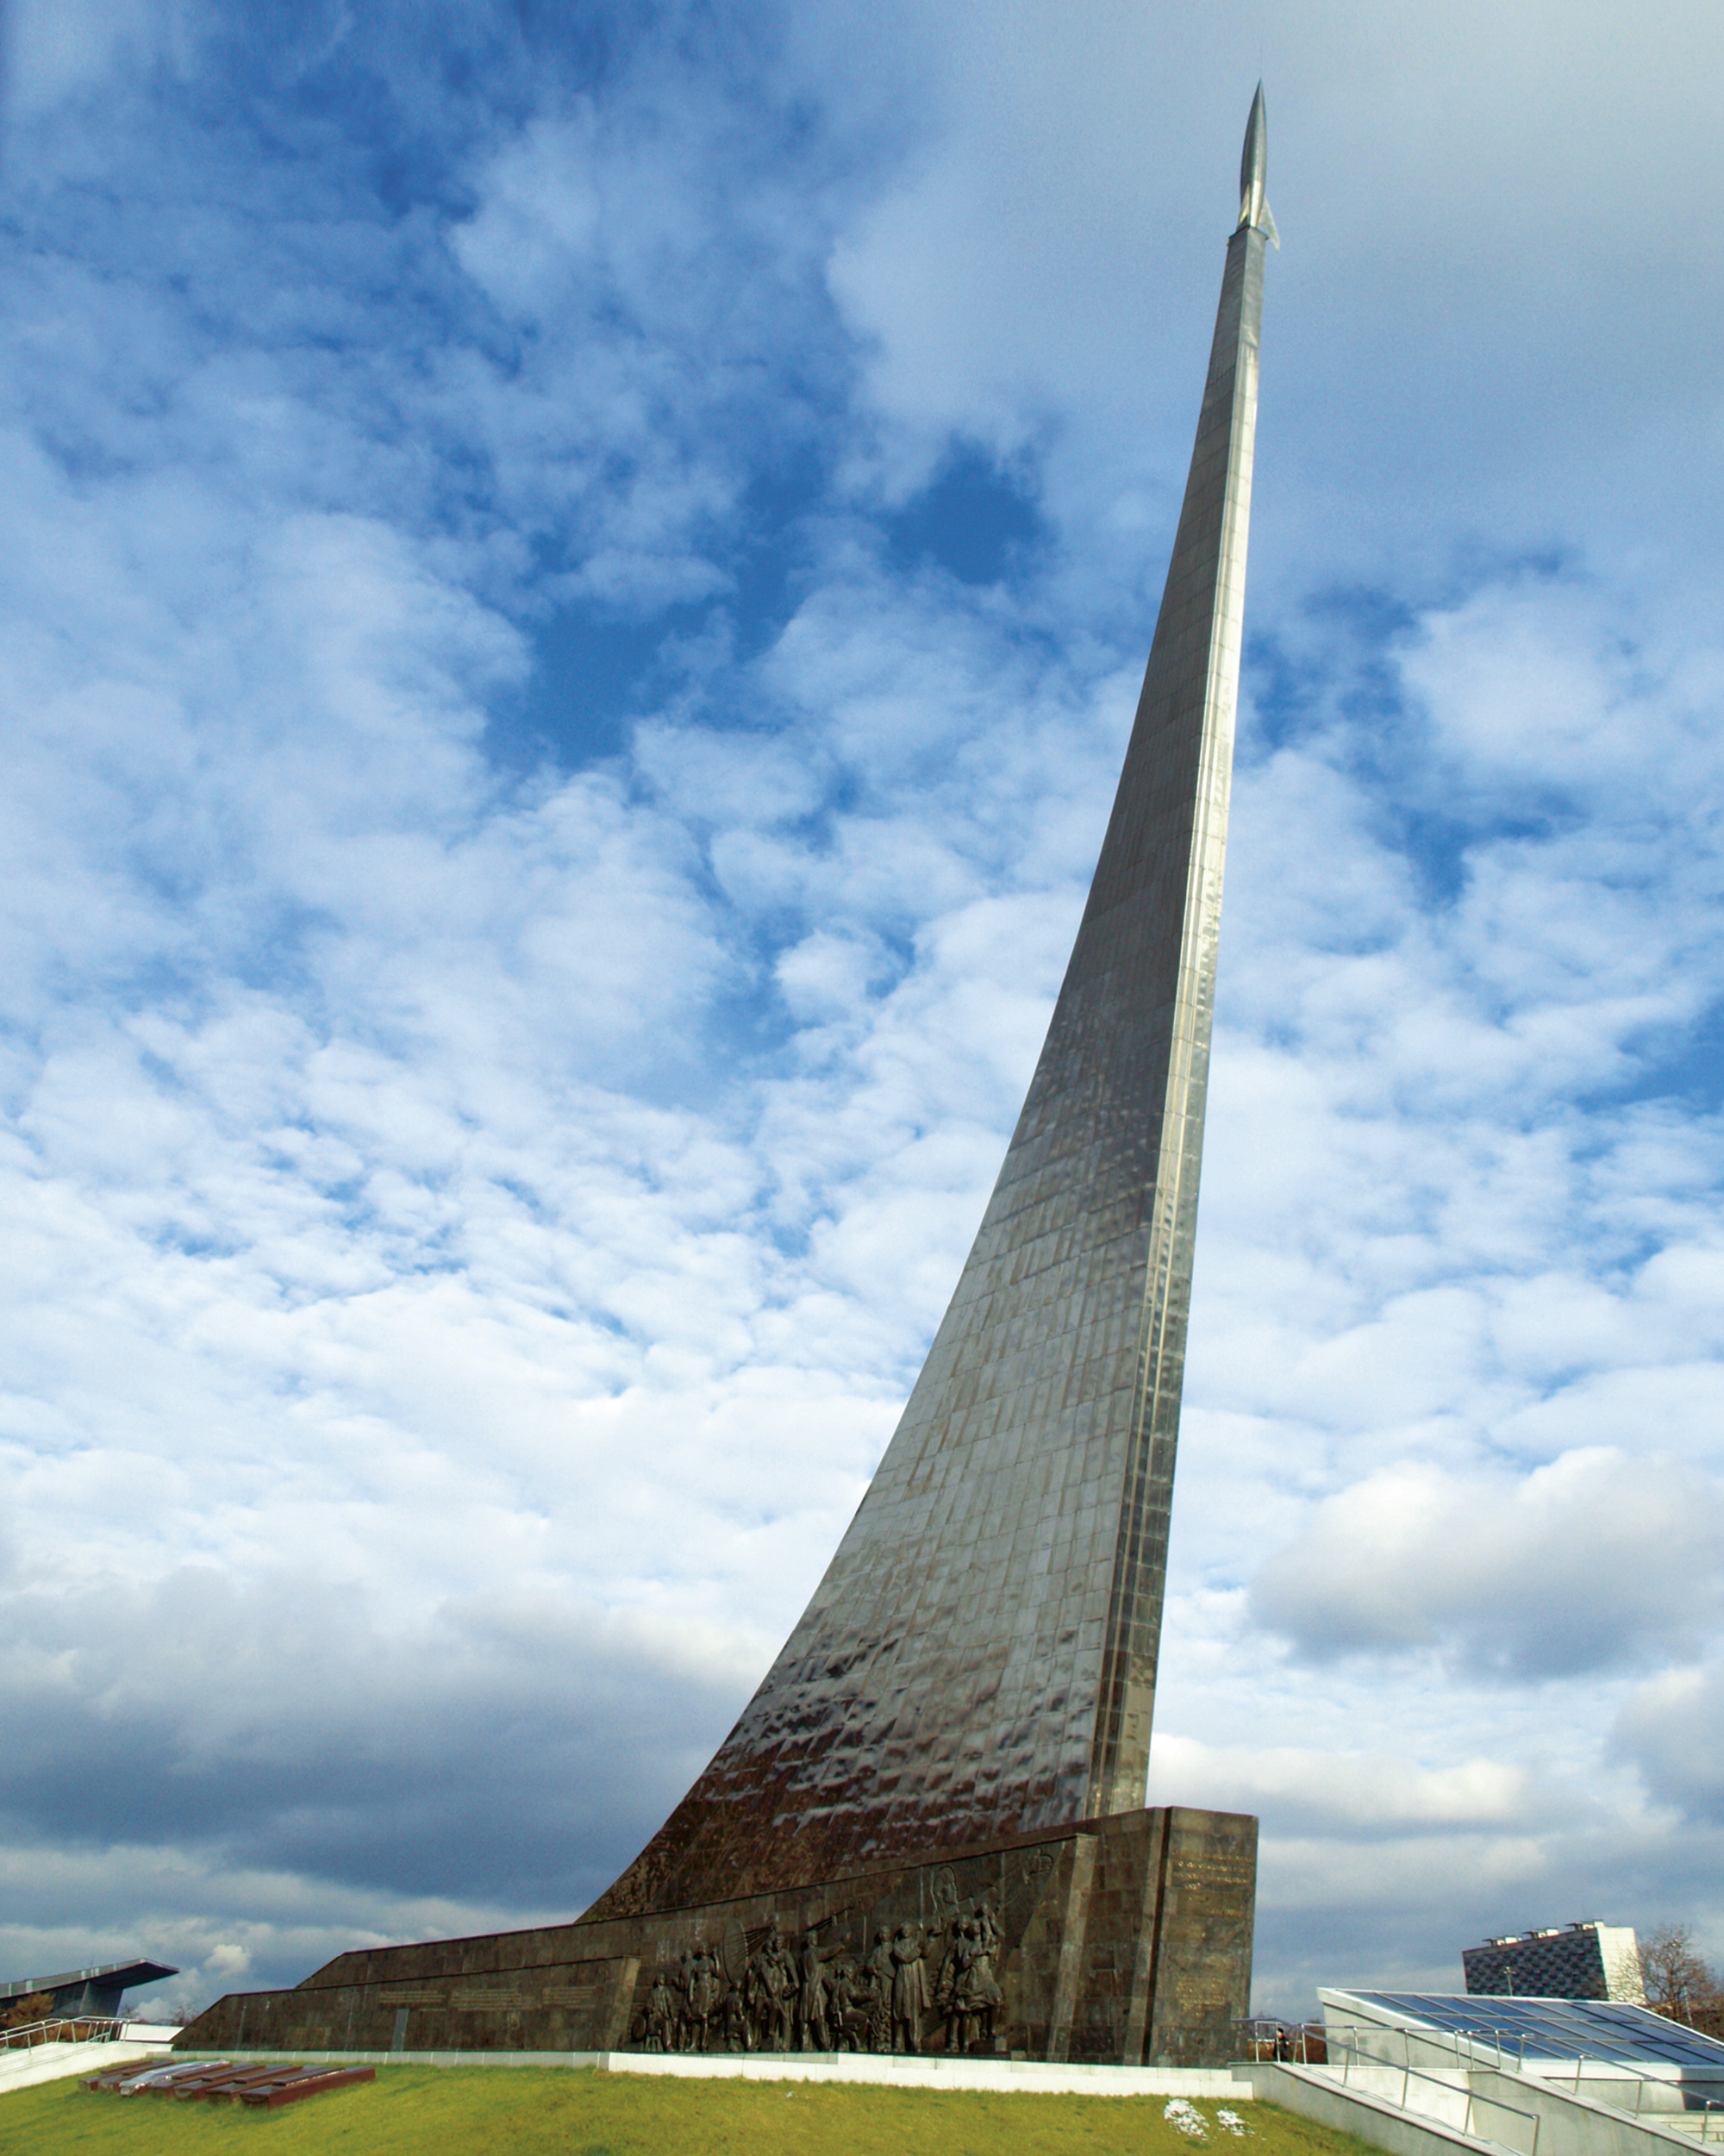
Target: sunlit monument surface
x: 926, y: 1831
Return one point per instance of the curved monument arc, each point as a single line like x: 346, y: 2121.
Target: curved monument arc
x: 979, y: 1660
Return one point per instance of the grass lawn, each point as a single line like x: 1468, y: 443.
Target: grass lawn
x: 497, y: 2111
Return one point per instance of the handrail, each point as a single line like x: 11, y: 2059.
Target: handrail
x: 1464, y: 2045
x: 1292, y: 2041
x: 1410, y: 2073
x: 29, y: 2033
x: 1620, y: 2071
x: 1467, y: 2050
x: 1594, y: 2088
x: 1474, y: 2049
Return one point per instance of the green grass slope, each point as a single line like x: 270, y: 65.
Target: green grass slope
x: 490, y: 2111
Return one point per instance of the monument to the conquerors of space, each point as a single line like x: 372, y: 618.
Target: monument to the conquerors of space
x: 926, y: 1830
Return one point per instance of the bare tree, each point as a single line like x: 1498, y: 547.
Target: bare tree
x: 1680, y: 1984
x: 34, y: 2006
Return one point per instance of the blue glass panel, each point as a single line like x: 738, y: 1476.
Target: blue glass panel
x: 1608, y: 2030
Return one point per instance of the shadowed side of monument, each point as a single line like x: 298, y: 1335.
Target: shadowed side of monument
x: 927, y: 1828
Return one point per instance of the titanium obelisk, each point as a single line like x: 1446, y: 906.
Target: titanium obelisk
x: 980, y: 1657
x: 937, y: 1789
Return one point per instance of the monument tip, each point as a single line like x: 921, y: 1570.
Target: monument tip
x: 1254, y: 208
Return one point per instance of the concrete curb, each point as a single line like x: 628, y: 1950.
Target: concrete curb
x: 53, y: 2062
x: 1022, y: 2077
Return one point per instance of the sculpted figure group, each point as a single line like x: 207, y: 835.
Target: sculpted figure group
x: 822, y: 1998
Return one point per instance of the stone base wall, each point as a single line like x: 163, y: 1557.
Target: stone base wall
x: 1121, y: 1941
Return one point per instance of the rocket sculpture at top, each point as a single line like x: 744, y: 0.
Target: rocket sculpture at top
x: 979, y: 1660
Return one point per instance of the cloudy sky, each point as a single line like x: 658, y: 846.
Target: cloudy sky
x: 574, y: 583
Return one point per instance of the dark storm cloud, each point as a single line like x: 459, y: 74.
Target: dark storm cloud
x: 514, y: 1754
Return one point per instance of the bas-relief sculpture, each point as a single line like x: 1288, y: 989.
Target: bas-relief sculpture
x: 963, y: 1711
x: 757, y: 1996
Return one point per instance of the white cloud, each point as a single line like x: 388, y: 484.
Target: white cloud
x: 1595, y: 1559
x: 539, y: 214
x: 56, y: 48
x: 1671, y: 1727
x: 1339, y: 1791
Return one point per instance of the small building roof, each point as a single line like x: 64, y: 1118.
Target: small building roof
x: 128, y: 1974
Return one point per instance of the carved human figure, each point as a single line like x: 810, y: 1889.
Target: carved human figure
x: 760, y: 1987
x: 879, y: 1972
x: 736, y: 2020
x: 706, y: 1987
x: 909, y: 1989
x: 951, y: 1992
x: 812, y: 2031
x: 773, y: 1994
x: 758, y: 1997
x: 661, y: 2018
x: 852, y: 2000
x: 979, y: 1989
x: 679, y: 1980
x: 682, y: 1983
x: 787, y: 1986
x: 946, y: 1984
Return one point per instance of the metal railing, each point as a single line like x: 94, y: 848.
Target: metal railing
x: 1482, y: 2048
x: 64, y: 2028
x: 1486, y: 2048
x: 1353, y: 2055
x: 1293, y: 2043
x: 1690, y: 2104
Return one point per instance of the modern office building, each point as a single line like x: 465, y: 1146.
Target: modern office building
x: 1568, y: 1961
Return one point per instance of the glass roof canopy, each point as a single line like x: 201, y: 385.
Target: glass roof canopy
x: 1606, y: 2030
